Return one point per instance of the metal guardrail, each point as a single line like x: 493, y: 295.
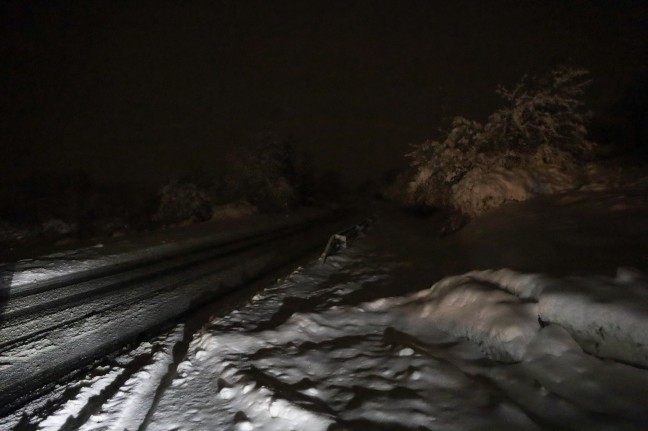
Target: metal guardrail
x: 156, y: 255
x: 339, y: 241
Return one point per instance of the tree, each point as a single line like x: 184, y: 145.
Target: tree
x: 264, y: 173
x: 542, y: 125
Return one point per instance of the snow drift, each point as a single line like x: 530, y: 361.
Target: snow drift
x: 505, y: 311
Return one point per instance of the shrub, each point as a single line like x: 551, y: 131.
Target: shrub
x: 530, y: 145
x: 266, y: 175
x: 233, y: 211
x: 58, y: 227
x: 440, y: 165
x: 542, y: 112
x: 182, y: 201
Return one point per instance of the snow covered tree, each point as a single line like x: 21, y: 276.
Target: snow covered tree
x: 438, y: 165
x: 530, y: 145
x: 547, y: 111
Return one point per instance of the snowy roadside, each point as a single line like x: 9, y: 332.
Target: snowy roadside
x: 362, y: 342
x: 468, y: 353
x: 490, y: 349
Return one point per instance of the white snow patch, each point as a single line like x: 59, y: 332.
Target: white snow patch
x: 502, y: 311
x: 406, y: 352
x: 127, y: 409
x: 468, y: 307
x: 74, y: 407
x: 608, y: 317
x: 321, y: 368
x: 482, y: 350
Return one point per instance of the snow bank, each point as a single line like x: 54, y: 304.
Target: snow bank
x: 608, y: 317
x: 499, y: 322
x: 527, y: 287
x: 472, y: 352
x: 503, y: 312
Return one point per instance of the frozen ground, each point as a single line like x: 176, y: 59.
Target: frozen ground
x: 385, y: 337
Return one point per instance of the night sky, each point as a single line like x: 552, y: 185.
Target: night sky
x: 143, y: 91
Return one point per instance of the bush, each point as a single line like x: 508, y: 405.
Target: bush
x: 233, y: 211
x: 542, y: 112
x: 268, y: 175
x: 182, y: 201
x: 531, y: 145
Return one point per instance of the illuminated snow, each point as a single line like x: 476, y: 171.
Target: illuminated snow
x: 493, y: 349
x: 403, y: 360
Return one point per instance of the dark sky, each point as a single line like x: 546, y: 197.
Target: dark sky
x: 136, y: 90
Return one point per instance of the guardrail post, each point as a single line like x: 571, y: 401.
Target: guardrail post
x: 340, y: 240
